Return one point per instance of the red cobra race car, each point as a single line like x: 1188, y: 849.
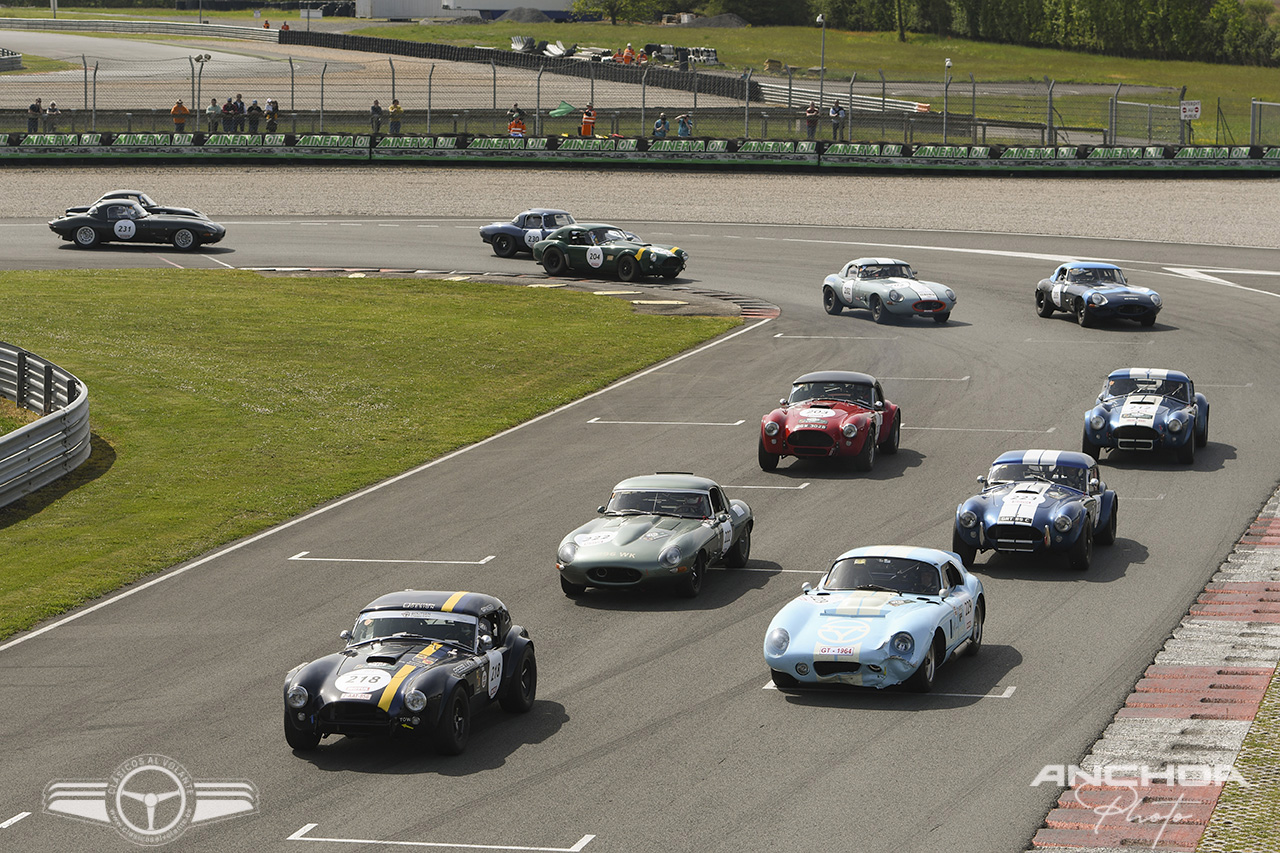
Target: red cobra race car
x: 834, y: 413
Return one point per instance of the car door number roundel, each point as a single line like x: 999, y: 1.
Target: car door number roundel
x: 362, y: 681
x: 495, y: 671
x: 531, y: 237
x: 595, y: 256
x: 1057, y: 293
x: 848, y: 291
x: 125, y: 229
x: 726, y: 536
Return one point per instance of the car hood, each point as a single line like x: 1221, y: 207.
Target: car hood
x: 863, y: 618
x: 822, y: 416
x: 921, y: 289
x: 363, y: 673
x: 638, y: 534
x: 1141, y: 410
x: 1125, y: 293
x: 1026, y: 502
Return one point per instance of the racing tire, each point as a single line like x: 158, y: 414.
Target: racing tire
x: 1090, y: 449
x: 517, y: 697
x: 878, y: 312
x: 1082, y: 314
x: 737, y: 556
x: 967, y: 553
x: 670, y: 274
x: 1081, y: 553
x: 830, y: 303
x: 504, y: 245
x: 86, y: 237
x: 453, y: 730
x: 572, y: 590
x: 768, y: 461
x: 554, y: 261
x: 866, y: 458
x: 1148, y: 322
x: 782, y: 680
x: 298, y: 739
x: 890, y: 445
x: 1044, y: 306
x: 1107, y: 536
x: 1202, y: 438
x: 942, y: 318
x: 975, y: 639
x: 184, y: 240
x: 1187, y: 452
x: 691, y: 583
x: 921, y: 681
x: 628, y: 268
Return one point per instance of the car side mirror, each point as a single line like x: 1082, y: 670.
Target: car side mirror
x: 344, y: 635
x: 782, y: 402
x: 600, y: 509
x: 806, y: 588
x: 722, y: 517
x: 879, y: 405
x: 486, y: 642
x: 982, y: 480
x: 943, y: 593
x: 1095, y: 483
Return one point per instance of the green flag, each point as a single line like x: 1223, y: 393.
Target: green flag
x: 563, y: 110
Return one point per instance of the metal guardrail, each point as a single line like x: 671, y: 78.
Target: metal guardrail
x: 776, y: 93
x: 10, y: 60
x: 41, y: 452
x: 223, y: 31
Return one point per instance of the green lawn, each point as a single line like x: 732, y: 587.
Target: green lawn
x: 224, y: 402
x: 32, y: 64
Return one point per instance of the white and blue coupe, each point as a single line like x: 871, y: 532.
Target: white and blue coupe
x: 882, y: 615
x: 1143, y: 408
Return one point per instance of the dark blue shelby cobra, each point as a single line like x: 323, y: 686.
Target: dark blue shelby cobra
x: 1145, y: 409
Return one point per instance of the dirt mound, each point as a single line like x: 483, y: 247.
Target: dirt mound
x: 469, y: 19
x: 524, y: 15
x: 729, y: 20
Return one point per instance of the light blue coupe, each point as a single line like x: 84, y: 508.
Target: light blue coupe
x: 882, y: 615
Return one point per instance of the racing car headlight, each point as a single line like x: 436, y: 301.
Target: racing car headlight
x: 1155, y: 299
x: 670, y: 557
x: 951, y: 294
x: 567, y: 552
x: 850, y: 430
x: 1097, y: 422
x: 968, y: 518
x: 777, y: 641
x: 895, y: 296
x: 296, y: 697
x: 1175, y: 425
x: 771, y: 428
x: 415, y: 700
x: 902, y: 643
x: 1063, y: 523
x: 1097, y: 299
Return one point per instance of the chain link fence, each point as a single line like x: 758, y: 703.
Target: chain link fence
x: 1264, y: 123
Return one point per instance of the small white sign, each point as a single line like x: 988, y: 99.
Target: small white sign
x: 1190, y: 110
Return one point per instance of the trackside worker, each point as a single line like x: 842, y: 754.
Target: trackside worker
x: 588, y: 121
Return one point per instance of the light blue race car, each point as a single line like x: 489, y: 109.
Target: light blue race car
x: 882, y: 615
x: 1034, y: 501
x: 1145, y: 409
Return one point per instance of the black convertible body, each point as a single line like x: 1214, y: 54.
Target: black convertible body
x: 125, y: 221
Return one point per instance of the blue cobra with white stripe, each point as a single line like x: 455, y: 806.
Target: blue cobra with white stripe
x: 1143, y: 408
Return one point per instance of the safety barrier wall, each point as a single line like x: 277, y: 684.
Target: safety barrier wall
x: 223, y: 31
x: 40, y: 452
x: 710, y: 153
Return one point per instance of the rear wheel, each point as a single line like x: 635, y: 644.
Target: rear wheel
x: 1044, y: 305
x: 185, y: 239
x: 966, y: 552
x: 768, y: 461
x: 738, y: 555
x: 521, y: 690
x: 628, y: 268
x: 573, y: 590
x: 554, y: 261
x: 1081, y: 553
x: 942, y: 318
x: 830, y: 303
x: 890, y: 445
x: 454, y: 728
x: 1082, y: 314
x: 86, y: 237
x: 866, y: 458
x: 1107, y: 535
x: 878, y: 312
x: 975, y: 639
x: 691, y: 583
x: 504, y: 245
x: 921, y: 680
x: 298, y: 739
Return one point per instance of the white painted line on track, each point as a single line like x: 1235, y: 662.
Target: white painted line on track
x: 271, y: 531
x: 301, y: 835
x: 1203, y: 275
x: 388, y: 225
x: 216, y: 261
x: 302, y: 555
x: 1091, y: 343
x: 428, y: 226
x: 979, y: 429
x: 841, y: 337
x: 1007, y: 693
x: 772, y: 571
x: 1158, y: 497
x: 11, y: 821
x: 783, y: 488
x: 1246, y: 385
x: 925, y: 379
x: 666, y: 423
x: 172, y: 264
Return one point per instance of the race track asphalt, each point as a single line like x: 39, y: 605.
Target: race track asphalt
x: 655, y: 728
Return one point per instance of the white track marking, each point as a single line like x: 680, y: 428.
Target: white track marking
x: 11, y: 821
x: 1246, y: 385
x: 1005, y: 694
x: 302, y: 555
x: 301, y: 835
x: 216, y: 261
x: 784, y: 488
x: 840, y: 337
x: 1158, y: 497
x: 172, y: 264
x: 772, y: 571
x: 978, y: 429
x: 666, y: 423
x: 925, y: 379
x: 1091, y: 343
x: 1203, y: 275
x: 271, y: 531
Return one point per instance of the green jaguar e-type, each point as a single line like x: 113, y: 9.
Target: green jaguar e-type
x: 602, y: 250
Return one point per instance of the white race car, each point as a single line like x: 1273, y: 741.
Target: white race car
x: 886, y: 287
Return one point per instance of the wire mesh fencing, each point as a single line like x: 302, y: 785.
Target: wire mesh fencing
x: 1264, y: 123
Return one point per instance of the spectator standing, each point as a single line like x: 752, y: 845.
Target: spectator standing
x: 515, y: 113
x: 228, y: 116
x: 240, y: 113
x: 273, y: 114
x: 51, y: 118
x: 375, y: 116
x: 33, y: 117
x: 179, y: 113
x: 684, y: 126
x: 811, y: 119
x: 254, y: 114
x: 837, y: 119
x: 395, y: 114
x: 588, y: 121
x: 661, y: 127
x: 212, y: 112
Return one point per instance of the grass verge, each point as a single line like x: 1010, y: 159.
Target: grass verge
x: 224, y: 402
x: 40, y: 64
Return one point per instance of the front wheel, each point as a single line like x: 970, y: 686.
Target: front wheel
x: 866, y: 458
x: 768, y: 461
x: 1044, y: 306
x: 1148, y: 321
x: 628, y: 268
x: 454, y: 728
x: 86, y: 237
x: 1202, y: 437
x: 890, y: 445
x: 504, y: 245
x: 975, y: 638
x: 966, y: 552
x: 691, y: 583
x: 783, y: 680
x: 669, y: 274
x: 830, y: 302
x: 523, y: 688
x: 1082, y: 314
x: 1088, y: 448
x: 921, y: 681
x: 554, y: 261
x: 1107, y: 536
x: 572, y: 590
x: 184, y: 239
x: 1187, y: 452
x: 738, y: 555
x: 1081, y: 553
x: 298, y: 739
x: 878, y: 312
x: 942, y: 318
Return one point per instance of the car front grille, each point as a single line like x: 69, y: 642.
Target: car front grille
x: 827, y: 668
x: 1014, y: 537
x: 927, y: 306
x: 811, y: 438
x: 353, y: 716
x: 1136, y: 438
x: 1132, y: 309
x: 614, y: 574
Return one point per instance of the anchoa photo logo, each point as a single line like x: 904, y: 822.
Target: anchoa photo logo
x: 1128, y: 775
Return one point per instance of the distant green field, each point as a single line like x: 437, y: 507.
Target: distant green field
x: 38, y: 64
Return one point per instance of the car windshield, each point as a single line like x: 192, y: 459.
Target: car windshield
x: 1122, y: 386
x: 849, y: 392
x: 885, y: 271
x: 147, y: 201
x: 893, y: 574
x: 1061, y: 474
x: 1095, y: 276
x: 679, y: 502
x: 608, y: 235
x: 449, y: 627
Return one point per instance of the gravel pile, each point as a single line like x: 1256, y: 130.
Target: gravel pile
x: 727, y: 20
x: 524, y: 15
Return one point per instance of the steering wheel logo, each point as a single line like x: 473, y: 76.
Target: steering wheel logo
x: 151, y: 799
